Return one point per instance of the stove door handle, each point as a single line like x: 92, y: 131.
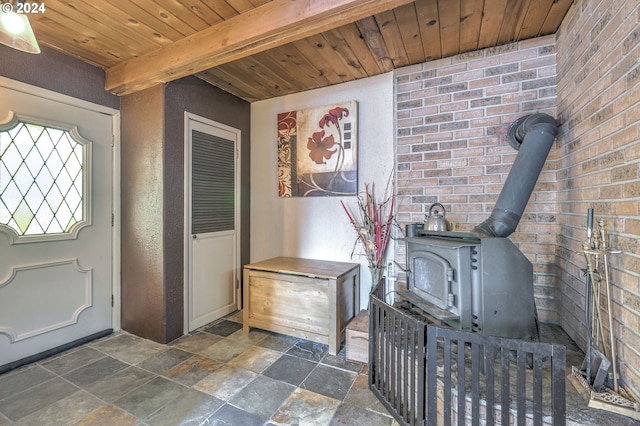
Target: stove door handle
x: 451, y: 298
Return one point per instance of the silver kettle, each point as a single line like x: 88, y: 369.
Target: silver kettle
x: 436, y: 221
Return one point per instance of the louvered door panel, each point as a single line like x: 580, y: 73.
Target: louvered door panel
x: 212, y: 184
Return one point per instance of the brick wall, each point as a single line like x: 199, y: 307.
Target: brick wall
x: 598, y: 57
x: 452, y: 118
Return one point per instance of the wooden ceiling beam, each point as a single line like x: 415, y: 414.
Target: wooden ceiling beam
x: 257, y: 30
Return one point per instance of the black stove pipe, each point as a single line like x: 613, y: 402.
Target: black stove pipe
x: 532, y: 136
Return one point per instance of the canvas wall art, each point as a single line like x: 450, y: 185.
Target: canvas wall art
x: 318, y: 151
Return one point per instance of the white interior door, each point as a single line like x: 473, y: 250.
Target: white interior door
x: 55, y: 220
x: 212, y: 198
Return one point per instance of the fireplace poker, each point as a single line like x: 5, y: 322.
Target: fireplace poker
x: 586, y: 246
x: 594, y: 292
x: 594, y: 286
x: 605, y: 251
x: 589, y: 226
x: 586, y: 251
x: 597, y: 291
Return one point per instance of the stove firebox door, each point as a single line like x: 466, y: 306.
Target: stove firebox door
x: 431, y: 278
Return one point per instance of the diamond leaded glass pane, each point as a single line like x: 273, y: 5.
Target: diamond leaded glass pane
x: 41, y: 180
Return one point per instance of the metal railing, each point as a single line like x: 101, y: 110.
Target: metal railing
x: 429, y: 375
x: 397, y: 360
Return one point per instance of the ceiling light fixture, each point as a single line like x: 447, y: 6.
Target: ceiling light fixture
x: 15, y: 30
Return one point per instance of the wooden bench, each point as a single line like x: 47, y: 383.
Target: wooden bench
x: 306, y: 298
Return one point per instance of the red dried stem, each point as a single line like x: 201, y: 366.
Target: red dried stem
x: 374, y: 225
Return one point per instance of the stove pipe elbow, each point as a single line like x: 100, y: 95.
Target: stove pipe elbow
x: 532, y: 136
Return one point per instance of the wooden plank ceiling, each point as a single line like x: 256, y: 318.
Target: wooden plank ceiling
x: 259, y: 49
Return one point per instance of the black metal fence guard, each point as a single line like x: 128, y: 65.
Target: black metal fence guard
x: 429, y: 375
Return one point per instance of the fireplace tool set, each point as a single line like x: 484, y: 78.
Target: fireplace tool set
x: 600, y: 364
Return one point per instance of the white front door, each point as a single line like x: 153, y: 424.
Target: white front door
x: 56, y: 168
x: 211, y: 220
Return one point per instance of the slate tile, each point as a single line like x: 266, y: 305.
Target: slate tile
x: 151, y: 396
x: 164, y: 361
x: 263, y: 396
x: 223, y: 328
x: 230, y: 415
x: 109, y: 415
x: 95, y: 371
x: 346, y: 414
x: 72, y: 360
x: 66, y: 411
x: 306, y: 408
x: 223, y: 351
x: 193, y: 408
x: 255, y: 359
x: 340, y: 361
x: 329, y: 381
x: 193, y: 370
x: 308, y: 350
x: 36, y: 398
x: 278, y: 342
x: 23, y: 378
x: 114, y: 386
x: 225, y: 382
x: 290, y: 369
x: 196, y: 343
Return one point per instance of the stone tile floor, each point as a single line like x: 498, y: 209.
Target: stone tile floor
x: 218, y: 375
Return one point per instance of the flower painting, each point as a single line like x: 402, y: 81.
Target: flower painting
x: 317, y: 151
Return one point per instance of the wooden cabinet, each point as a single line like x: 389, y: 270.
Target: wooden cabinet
x: 357, y: 340
x: 306, y: 298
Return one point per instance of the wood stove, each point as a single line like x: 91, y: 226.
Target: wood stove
x: 472, y: 283
x: 480, y: 281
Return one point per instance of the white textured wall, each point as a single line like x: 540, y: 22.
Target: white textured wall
x: 317, y: 227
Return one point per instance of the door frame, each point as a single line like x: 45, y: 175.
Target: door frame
x: 188, y: 117
x: 116, y: 308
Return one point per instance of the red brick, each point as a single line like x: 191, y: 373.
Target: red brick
x: 469, y: 133
x: 503, y: 88
x: 453, y: 69
x: 455, y: 106
x: 484, y: 83
x: 469, y: 75
x: 538, y: 63
x: 503, y: 109
x: 484, y: 63
x: 464, y: 115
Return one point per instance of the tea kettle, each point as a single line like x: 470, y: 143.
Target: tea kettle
x: 436, y: 221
